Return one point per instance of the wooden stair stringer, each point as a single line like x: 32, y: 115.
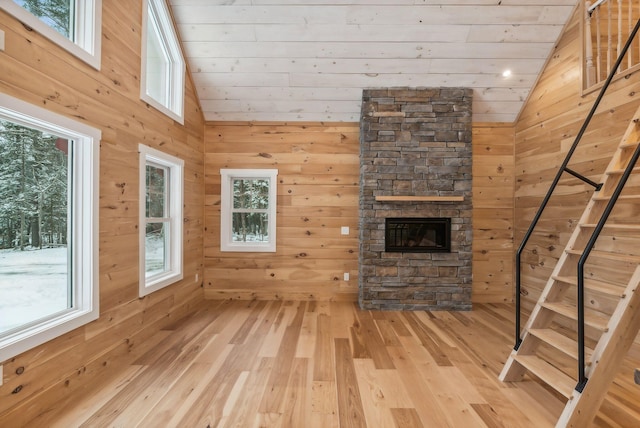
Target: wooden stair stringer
x: 611, y: 349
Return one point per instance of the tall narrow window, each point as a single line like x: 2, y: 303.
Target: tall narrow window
x: 248, y: 210
x: 163, y: 66
x: 161, y: 196
x: 74, y: 25
x: 48, y: 225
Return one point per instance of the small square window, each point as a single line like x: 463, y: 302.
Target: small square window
x: 248, y: 217
x: 161, y: 196
x: 163, y: 66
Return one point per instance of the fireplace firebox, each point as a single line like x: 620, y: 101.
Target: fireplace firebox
x: 417, y: 235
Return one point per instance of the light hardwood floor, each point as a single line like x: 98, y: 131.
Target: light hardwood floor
x: 320, y: 364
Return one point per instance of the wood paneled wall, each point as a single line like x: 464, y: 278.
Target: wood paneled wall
x: 493, y: 186
x: 318, y: 193
x: 544, y: 133
x: 37, y: 71
x: 318, y: 185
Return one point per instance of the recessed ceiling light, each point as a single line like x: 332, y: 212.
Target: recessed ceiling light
x: 506, y: 73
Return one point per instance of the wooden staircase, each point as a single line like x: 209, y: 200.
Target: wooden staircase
x: 549, y: 347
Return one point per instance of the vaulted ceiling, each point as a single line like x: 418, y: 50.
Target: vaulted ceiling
x: 308, y: 60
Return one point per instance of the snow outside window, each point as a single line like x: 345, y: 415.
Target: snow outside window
x: 74, y: 25
x: 49, y: 172
x: 163, y: 66
x: 161, y: 196
x: 248, y: 210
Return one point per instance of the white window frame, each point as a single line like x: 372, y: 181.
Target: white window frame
x: 157, y: 13
x: 83, y: 218
x: 175, y: 191
x: 87, y: 31
x: 226, y: 214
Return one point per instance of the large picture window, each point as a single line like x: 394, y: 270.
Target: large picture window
x: 248, y: 210
x: 161, y: 196
x: 163, y: 66
x: 48, y: 225
x: 74, y: 25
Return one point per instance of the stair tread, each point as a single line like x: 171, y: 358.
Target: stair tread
x: 592, y: 318
x: 629, y: 144
x: 608, y: 255
x: 620, y: 171
x: 594, y: 285
x: 561, y: 342
x: 553, y: 377
x: 618, y: 226
x: 620, y: 198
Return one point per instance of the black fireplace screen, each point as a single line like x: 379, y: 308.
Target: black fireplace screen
x: 418, y: 235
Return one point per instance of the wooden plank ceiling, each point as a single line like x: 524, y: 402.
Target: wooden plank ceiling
x: 308, y: 60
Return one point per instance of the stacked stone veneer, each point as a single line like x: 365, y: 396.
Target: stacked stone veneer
x: 416, y: 142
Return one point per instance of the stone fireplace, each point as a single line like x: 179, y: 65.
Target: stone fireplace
x: 415, y: 191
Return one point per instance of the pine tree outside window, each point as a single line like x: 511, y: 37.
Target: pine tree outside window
x: 74, y: 25
x: 248, y: 210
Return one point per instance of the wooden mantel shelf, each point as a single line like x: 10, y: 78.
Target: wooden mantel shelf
x: 420, y: 198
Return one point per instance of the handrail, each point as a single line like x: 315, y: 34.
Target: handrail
x: 561, y: 170
x: 582, y: 379
x: 595, y: 5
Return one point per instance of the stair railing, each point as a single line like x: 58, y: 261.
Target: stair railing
x: 611, y: 21
x: 564, y: 168
x: 582, y: 378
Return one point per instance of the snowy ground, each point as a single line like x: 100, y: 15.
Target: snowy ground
x: 154, y: 255
x: 33, y: 284
x: 250, y: 237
